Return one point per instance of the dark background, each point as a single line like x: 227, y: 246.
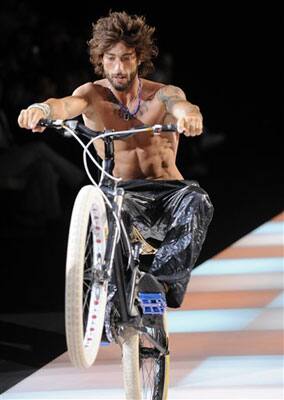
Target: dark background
x: 226, y: 59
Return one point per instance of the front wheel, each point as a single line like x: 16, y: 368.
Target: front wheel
x: 85, y: 293
x: 145, y: 368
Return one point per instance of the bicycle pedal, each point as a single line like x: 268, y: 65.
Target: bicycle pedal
x: 104, y: 344
x: 152, y: 303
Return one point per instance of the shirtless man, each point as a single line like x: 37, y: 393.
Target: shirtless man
x: 121, y: 50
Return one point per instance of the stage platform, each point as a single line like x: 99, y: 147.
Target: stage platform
x: 226, y: 341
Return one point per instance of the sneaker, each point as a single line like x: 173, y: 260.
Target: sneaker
x: 150, y: 284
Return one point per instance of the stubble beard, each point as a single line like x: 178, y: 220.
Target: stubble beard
x: 121, y: 87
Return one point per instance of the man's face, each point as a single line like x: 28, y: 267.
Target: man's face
x: 120, y: 66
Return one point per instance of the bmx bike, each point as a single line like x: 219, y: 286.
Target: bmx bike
x: 106, y: 292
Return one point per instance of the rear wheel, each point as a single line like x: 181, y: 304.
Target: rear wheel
x: 145, y: 368
x: 85, y: 292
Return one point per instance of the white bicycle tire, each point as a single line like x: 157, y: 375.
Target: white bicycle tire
x: 133, y: 381
x: 83, y: 339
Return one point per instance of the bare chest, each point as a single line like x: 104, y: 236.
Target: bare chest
x: 108, y: 114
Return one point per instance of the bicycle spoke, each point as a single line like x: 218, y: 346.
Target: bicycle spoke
x: 88, y: 278
x: 148, y: 376
x: 89, y: 255
x: 86, y: 298
x: 88, y: 286
x: 88, y: 270
x: 152, y: 364
x: 85, y: 315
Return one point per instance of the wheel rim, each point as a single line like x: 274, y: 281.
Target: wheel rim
x: 86, y: 289
x: 92, y: 289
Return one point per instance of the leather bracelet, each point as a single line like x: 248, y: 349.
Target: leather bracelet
x: 44, y: 107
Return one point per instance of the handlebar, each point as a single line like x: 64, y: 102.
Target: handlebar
x: 80, y: 128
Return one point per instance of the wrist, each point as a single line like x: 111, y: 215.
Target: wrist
x: 184, y: 108
x: 194, y: 109
x: 44, y: 107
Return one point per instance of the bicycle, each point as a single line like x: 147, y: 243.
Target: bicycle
x: 103, y: 277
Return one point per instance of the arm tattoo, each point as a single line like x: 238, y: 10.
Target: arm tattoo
x: 170, y: 95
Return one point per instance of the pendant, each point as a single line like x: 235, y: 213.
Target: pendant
x: 124, y: 111
x: 126, y: 116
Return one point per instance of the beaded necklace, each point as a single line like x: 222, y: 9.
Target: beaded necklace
x: 124, y: 111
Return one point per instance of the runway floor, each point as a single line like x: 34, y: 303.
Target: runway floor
x: 226, y: 341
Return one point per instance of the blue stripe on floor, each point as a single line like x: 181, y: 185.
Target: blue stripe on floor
x: 240, y: 266
x: 277, y: 302
x: 211, y: 320
x: 269, y: 227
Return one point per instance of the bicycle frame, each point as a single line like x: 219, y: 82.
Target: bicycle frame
x: 128, y: 312
x: 115, y: 195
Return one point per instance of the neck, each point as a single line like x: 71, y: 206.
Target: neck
x: 127, y: 95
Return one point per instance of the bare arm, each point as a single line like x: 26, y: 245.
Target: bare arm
x: 64, y: 108
x: 188, y: 116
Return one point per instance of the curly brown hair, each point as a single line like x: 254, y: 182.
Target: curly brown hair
x: 121, y: 27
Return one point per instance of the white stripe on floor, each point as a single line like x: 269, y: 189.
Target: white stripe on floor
x: 239, y: 266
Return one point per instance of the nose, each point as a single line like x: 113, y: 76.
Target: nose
x: 118, y: 66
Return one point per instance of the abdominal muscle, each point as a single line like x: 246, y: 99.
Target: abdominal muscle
x: 144, y: 157
x: 156, y: 161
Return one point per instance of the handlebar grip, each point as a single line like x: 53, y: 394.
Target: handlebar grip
x: 45, y: 122
x: 50, y: 123
x: 169, y: 128
x: 56, y: 124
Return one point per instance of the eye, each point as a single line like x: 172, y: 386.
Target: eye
x: 109, y: 58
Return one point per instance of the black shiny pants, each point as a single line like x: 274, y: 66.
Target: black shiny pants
x: 176, y: 215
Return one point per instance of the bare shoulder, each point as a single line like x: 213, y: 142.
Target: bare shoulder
x: 150, y: 85
x: 100, y: 82
x: 150, y: 88
x: 170, y: 91
x: 101, y: 89
x: 83, y: 90
x: 92, y: 90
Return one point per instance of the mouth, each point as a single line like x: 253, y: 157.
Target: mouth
x: 119, y: 78
x: 120, y: 82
